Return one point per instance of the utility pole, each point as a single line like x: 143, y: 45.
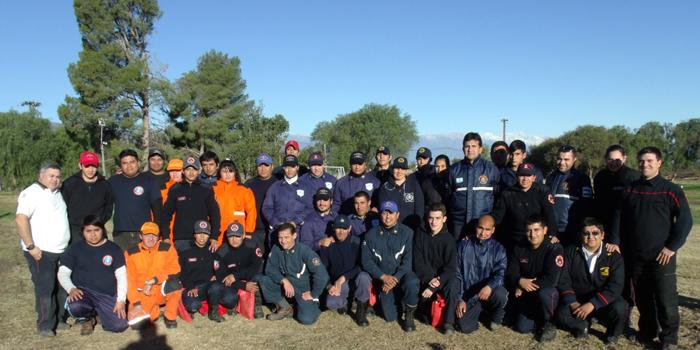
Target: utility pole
x: 504, y: 121
x: 102, y: 124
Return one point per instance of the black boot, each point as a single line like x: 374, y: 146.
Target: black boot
x: 409, y: 324
x: 258, y: 311
x: 214, y: 314
x: 361, y: 314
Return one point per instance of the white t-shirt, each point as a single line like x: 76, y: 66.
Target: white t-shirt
x: 48, y: 218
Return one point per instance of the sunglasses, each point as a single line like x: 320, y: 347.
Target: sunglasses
x: 591, y: 233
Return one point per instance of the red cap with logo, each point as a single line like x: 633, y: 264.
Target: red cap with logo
x: 88, y: 158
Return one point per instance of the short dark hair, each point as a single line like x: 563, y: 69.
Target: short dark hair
x: 437, y: 207
x: 517, y: 145
x: 536, y: 219
x: 93, y: 220
x: 287, y: 226
x: 591, y: 221
x: 472, y: 136
x: 649, y: 149
x: 614, y: 148
x: 567, y: 149
x: 128, y: 153
x: 443, y: 157
x: 498, y: 143
x: 359, y: 194
x: 209, y: 155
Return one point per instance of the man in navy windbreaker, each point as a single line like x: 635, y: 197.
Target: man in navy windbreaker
x: 473, y: 182
x: 284, y: 201
x: 316, y: 178
x: 318, y: 225
x: 348, y: 185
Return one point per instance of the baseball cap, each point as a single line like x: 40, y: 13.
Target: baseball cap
x: 323, y: 193
x: 234, y: 229
x: 384, y: 149
x: 315, y: 158
x: 292, y: 143
x: 263, y: 158
x: 202, y: 226
x: 227, y: 162
x: 88, y: 158
x: 174, y: 164
x: 357, y: 157
x: 400, y: 162
x: 290, y: 160
x: 424, y: 152
x: 192, y: 162
x: 389, y: 206
x: 341, y: 221
x: 150, y: 228
x: 156, y: 152
x: 525, y: 169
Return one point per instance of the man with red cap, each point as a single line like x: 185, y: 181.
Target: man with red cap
x: 86, y: 193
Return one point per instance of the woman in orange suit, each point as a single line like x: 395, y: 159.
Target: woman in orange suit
x: 236, y: 201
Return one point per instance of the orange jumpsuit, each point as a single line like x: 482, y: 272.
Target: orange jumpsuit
x: 236, y: 203
x: 143, y: 264
x: 164, y: 195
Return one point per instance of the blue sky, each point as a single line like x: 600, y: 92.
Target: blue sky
x: 454, y: 66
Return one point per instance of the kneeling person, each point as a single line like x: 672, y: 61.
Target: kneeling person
x: 93, y: 273
x: 198, y: 266
x: 342, y: 260
x: 152, y: 269
x: 591, y: 285
x: 293, y: 271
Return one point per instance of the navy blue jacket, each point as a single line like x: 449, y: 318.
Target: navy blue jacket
x: 342, y: 259
x: 364, y: 224
x: 472, y: 188
x: 573, y: 201
x: 285, y: 203
x: 347, y: 186
x: 479, y: 263
x: 388, y: 251
x: 311, y: 184
x: 409, y: 198
x: 300, y: 265
x: 509, y: 178
x: 315, y: 228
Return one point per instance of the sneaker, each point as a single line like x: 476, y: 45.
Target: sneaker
x: 548, y: 333
x: 492, y: 326
x: 170, y: 323
x: 88, y: 326
x: 137, y: 315
x: 281, y: 313
x: 581, y: 333
x: 611, y: 340
x: 448, y: 329
x: 342, y: 311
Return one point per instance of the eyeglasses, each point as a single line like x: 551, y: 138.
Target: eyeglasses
x: 591, y: 233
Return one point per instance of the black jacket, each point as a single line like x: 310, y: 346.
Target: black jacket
x: 197, y: 266
x: 189, y: 203
x: 544, y: 263
x: 434, y: 256
x: 342, y: 259
x: 601, y: 288
x: 87, y: 198
x: 513, y: 209
x: 607, y: 189
x: 408, y: 197
x: 243, y: 262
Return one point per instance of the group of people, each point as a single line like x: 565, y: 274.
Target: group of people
x: 487, y: 240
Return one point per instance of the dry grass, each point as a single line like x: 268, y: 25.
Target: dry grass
x: 331, y: 331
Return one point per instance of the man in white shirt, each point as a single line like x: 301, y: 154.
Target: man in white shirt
x: 42, y: 225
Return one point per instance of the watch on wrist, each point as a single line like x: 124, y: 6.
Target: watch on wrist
x: 30, y: 247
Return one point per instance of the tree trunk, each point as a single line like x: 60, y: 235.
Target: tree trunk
x: 145, y: 109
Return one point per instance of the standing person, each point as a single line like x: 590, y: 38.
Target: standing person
x: 651, y: 224
x: 591, y: 285
x: 291, y: 148
x: 260, y: 185
x: 499, y: 154
x: 481, y: 264
x: 239, y: 264
x: 156, y: 168
x: 210, y: 167
x: 293, y: 271
x: 435, y: 264
x: 406, y: 192
x: 175, y: 173
x: 425, y: 175
x: 86, y: 193
x: 136, y: 200
x: 357, y: 180
x: 284, y: 202
x: 93, y: 273
x: 318, y: 226
x: 190, y: 201
x: 387, y: 258
x: 533, y: 273
x: 473, y: 182
x: 382, y: 170
x: 573, y: 196
x: 517, y: 152
x: 363, y: 219
x: 342, y: 260
x: 316, y: 178
x: 236, y: 202
x: 42, y: 225
x: 441, y: 180
x: 610, y: 182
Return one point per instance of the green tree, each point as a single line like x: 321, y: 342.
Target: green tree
x: 366, y: 129
x: 687, y: 144
x: 112, y: 77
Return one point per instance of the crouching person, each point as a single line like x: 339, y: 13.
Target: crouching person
x: 241, y: 260
x: 293, y: 271
x: 387, y: 254
x: 93, y: 273
x: 481, y: 264
x: 591, y: 285
x: 342, y: 260
x: 198, y: 266
x: 152, y: 273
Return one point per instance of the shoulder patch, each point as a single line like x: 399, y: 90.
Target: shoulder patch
x: 316, y: 261
x: 163, y: 247
x: 559, y: 260
x: 258, y: 252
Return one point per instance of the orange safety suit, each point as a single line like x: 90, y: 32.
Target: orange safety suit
x: 236, y: 203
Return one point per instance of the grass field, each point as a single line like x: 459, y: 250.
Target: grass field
x: 331, y: 331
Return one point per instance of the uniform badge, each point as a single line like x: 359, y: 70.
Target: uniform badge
x: 181, y: 198
x: 202, y: 224
x: 459, y: 180
x: 524, y: 260
x: 559, y: 260
x: 329, y: 185
x: 605, y: 271
x: 565, y: 186
x: 369, y: 186
x: 216, y: 265
x: 258, y: 252
x: 192, y: 260
x: 232, y: 265
x: 483, y: 179
x: 300, y: 193
x: 138, y: 190
x: 316, y: 261
x: 107, y: 260
x: 408, y: 197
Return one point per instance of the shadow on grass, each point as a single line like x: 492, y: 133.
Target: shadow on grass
x: 688, y: 302
x: 149, y: 339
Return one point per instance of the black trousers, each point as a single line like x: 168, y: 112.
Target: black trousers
x: 612, y: 316
x: 50, y: 298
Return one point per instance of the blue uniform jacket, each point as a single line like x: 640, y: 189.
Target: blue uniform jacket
x: 347, y: 186
x: 311, y: 184
x: 315, y: 228
x: 362, y: 225
x: 388, y: 251
x: 472, y: 188
x: 285, y: 203
x: 408, y: 197
x: 300, y: 265
x: 342, y: 259
x: 480, y: 263
x: 573, y: 199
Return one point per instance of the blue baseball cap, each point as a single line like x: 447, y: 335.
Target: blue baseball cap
x: 389, y: 206
x: 263, y: 158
